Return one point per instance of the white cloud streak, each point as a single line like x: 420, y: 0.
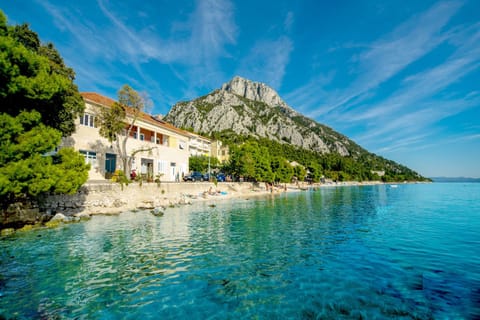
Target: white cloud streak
x: 198, y: 47
x: 289, y: 21
x: 398, y: 130
x: 417, y: 105
x: 267, y: 61
x: 389, y: 55
x: 419, y: 101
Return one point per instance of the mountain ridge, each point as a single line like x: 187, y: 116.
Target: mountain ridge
x: 245, y: 108
x: 253, y: 108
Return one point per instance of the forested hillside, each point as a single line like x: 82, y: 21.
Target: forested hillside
x: 251, y: 117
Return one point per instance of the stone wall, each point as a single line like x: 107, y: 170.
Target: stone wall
x: 20, y: 213
x: 112, y: 198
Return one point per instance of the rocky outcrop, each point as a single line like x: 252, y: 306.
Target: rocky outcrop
x: 253, y: 108
x: 20, y: 213
x: 99, y: 198
x: 255, y: 91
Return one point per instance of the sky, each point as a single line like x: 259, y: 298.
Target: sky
x: 401, y: 78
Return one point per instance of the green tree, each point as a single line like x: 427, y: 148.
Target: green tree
x: 283, y: 171
x: 314, y: 171
x: 251, y: 161
x: 299, y: 172
x: 241, y: 162
x: 27, y: 167
x: 201, y: 163
x: 34, y: 77
x: 117, y: 122
x: 38, y: 105
x: 263, y: 168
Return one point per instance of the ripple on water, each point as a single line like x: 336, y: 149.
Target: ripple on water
x: 369, y: 252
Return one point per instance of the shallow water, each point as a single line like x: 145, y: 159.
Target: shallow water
x: 375, y: 252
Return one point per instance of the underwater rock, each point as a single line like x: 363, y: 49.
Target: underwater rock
x: 59, y: 217
x: 7, y: 231
x: 157, y: 212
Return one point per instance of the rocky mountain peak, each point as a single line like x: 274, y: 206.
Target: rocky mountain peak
x: 242, y: 107
x: 254, y: 109
x: 255, y: 91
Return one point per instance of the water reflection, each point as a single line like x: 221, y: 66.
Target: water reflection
x: 345, y: 252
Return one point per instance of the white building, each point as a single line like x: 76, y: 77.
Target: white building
x: 168, y: 146
x: 199, y: 146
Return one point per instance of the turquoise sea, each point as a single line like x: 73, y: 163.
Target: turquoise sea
x: 372, y: 252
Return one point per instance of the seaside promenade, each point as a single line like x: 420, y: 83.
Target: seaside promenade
x: 104, y: 197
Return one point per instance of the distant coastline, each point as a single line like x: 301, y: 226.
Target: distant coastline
x: 454, y: 179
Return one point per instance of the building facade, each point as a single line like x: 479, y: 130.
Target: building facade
x: 165, y: 148
x: 221, y: 152
x: 200, y: 146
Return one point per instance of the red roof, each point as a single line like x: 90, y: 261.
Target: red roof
x: 105, y: 101
x: 95, y: 97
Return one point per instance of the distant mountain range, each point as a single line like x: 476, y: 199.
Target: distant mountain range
x: 454, y: 179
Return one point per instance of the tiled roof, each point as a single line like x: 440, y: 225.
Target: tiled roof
x: 95, y: 97
x: 105, y: 101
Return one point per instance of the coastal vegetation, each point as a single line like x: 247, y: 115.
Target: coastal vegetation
x: 39, y: 103
x: 202, y: 163
x: 266, y: 136
x: 267, y: 160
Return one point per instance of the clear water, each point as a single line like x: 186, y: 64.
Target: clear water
x: 411, y: 252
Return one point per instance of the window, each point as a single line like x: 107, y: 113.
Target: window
x: 163, y: 167
x: 181, y: 145
x: 142, y: 137
x: 88, y: 120
x: 90, y: 157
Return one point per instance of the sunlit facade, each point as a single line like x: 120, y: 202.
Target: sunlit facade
x: 168, y: 146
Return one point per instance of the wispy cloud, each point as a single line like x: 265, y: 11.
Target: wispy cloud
x: 390, y: 54
x: 213, y: 29
x: 412, y: 142
x: 423, y: 85
x: 308, y: 95
x: 198, y: 47
x: 397, y: 130
x: 131, y: 45
x: 210, y: 29
x: 408, y: 115
x: 422, y: 100
x: 289, y: 21
x: 267, y: 61
x: 85, y: 34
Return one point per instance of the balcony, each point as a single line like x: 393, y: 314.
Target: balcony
x: 149, y: 136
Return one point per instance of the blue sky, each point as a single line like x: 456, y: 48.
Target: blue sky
x: 401, y: 78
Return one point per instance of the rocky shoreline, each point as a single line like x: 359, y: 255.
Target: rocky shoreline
x: 112, y: 198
